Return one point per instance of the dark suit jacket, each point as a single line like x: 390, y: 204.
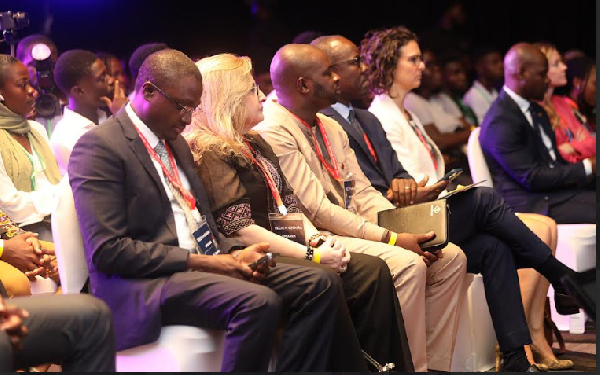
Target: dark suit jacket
x: 388, y: 167
x: 127, y: 224
x: 519, y: 161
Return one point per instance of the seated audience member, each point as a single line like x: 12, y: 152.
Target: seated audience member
x: 22, y: 257
x: 74, y: 331
x: 28, y: 170
x: 150, y: 239
x: 84, y: 78
x: 520, y: 148
x: 379, y: 162
x: 116, y: 69
x: 454, y: 78
x: 239, y: 169
x: 573, y: 140
x: 25, y: 55
x: 490, y: 72
x: 445, y: 129
x: 428, y: 286
x: 137, y: 59
x: 391, y: 75
x: 581, y: 88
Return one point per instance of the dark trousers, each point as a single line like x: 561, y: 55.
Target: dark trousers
x: 375, y: 313
x: 74, y: 331
x: 496, y: 243
x: 579, y: 209
x: 310, y: 300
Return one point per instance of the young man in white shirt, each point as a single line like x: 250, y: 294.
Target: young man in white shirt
x: 490, y: 72
x: 84, y: 78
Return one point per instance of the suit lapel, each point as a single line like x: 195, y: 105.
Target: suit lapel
x: 138, y: 148
x: 349, y: 129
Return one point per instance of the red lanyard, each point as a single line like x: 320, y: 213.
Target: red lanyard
x: 270, y: 181
x: 174, y: 178
x: 426, y: 144
x: 370, y: 146
x: 333, y: 168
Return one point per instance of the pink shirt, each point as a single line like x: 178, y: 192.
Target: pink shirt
x: 572, y: 131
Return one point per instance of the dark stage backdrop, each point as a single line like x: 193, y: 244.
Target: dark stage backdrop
x: 204, y: 27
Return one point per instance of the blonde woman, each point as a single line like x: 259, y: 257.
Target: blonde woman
x: 246, y: 187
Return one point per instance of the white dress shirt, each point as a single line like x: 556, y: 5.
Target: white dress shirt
x: 184, y: 234
x: 480, y: 99
x: 440, y: 111
x: 411, y: 152
x: 66, y: 134
x: 28, y: 207
x: 524, y: 105
x: 343, y: 110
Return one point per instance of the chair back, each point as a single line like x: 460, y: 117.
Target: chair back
x: 477, y: 164
x: 72, y: 266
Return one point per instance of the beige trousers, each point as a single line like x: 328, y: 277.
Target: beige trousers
x: 15, y: 282
x: 430, y: 298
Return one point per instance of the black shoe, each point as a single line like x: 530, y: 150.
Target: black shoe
x: 582, y: 287
x: 565, y: 304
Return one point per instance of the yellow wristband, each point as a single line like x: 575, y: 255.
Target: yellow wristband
x: 1, y: 248
x: 317, y: 256
x: 393, y: 238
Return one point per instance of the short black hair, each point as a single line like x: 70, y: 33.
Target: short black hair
x: 26, y: 45
x: 448, y: 58
x: 482, y: 52
x: 71, y: 66
x: 6, y: 61
x: 165, y: 68
x: 140, y: 54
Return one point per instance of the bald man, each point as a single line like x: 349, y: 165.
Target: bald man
x: 149, y: 239
x: 520, y: 148
x: 429, y: 286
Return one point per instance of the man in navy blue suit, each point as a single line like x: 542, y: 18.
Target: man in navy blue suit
x: 480, y: 223
x: 520, y: 148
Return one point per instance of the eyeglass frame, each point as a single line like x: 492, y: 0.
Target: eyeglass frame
x: 355, y: 61
x: 184, y: 110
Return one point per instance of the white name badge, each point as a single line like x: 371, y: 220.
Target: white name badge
x: 290, y: 226
x: 205, y: 239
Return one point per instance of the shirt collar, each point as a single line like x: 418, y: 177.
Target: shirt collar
x: 523, y: 104
x: 343, y: 110
x: 143, y: 128
x: 479, y: 86
x: 73, y: 117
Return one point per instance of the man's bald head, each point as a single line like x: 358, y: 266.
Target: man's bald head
x: 302, y: 76
x: 526, y: 71
x: 293, y: 61
x: 337, y: 47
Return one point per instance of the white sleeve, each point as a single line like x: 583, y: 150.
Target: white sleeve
x: 24, y: 207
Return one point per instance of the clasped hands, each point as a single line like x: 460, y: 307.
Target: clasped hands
x: 26, y: 253
x: 11, y: 322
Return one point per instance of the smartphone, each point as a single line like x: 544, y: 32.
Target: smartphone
x: 452, y: 174
x: 266, y: 258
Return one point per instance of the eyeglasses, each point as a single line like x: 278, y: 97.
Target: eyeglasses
x: 184, y: 110
x: 255, y: 89
x: 353, y: 61
x: 415, y: 59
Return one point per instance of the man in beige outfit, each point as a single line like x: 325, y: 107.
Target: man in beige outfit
x: 315, y: 156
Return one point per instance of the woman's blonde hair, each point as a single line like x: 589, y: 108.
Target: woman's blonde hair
x: 220, y: 118
x: 555, y: 120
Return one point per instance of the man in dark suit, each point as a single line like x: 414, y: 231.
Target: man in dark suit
x: 520, y: 148
x: 480, y: 223
x: 139, y: 204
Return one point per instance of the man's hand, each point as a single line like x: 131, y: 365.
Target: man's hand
x: 223, y: 264
x: 412, y: 242
x: 11, y: 322
x: 20, y: 253
x: 252, y: 254
x: 430, y: 193
x: 119, y: 99
x: 402, y: 192
x: 567, y: 149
